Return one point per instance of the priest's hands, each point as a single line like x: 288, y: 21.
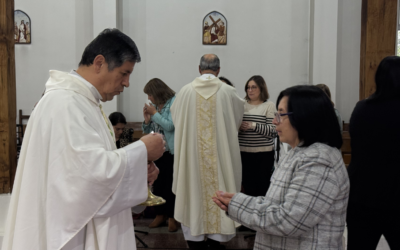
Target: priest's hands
x: 222, y: 199
x: 155, y: 145
x: 152, y: 173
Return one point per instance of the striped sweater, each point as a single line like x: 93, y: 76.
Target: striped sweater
x: 260, y: 138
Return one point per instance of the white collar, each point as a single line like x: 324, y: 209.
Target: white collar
x: 92, y: 88
x: 207, y: 76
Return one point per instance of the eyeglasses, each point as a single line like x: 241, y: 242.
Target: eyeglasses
x: 278, y: 116
x: 252, y: 88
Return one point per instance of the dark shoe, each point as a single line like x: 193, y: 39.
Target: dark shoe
x: 158, y: 221
x: 245, y: 229
x: 173, y: 225
x: 197, y: 245
x: 214, y: 245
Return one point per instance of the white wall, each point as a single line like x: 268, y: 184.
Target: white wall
x: 265, y: 37
x: 60, y: 32
x: 348, y: 57
x: 325, y: 44
x: 105, y: 16
x: 4, y: 203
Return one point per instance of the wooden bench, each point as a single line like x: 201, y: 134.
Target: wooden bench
x: 137, y: 130
x: 346, y: 147
x: 21, y: 127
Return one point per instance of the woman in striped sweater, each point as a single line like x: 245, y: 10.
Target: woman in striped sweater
x: 256, y: 138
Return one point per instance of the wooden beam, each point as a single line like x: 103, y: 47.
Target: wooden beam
x: 378, y: 40
x: 8, y: 111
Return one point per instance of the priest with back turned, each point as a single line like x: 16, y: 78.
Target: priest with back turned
x: 74, y: 189
x: 207, y: 114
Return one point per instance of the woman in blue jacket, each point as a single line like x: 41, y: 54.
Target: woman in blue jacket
x: 157, y: 118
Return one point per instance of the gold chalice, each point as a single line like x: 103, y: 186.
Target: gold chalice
x: 152, y: 200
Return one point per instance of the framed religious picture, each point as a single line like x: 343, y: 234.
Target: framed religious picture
x: 214, y: 30
x: 22, y: 28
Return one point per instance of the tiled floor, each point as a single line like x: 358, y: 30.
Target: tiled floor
x: 160, y: 238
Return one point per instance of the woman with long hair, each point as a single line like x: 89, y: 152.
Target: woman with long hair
x: 157, y: 118
x: 327, y: 91
x: 256, y: 138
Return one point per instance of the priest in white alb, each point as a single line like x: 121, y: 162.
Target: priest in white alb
x: 74, y: 189
x: 207, y: 114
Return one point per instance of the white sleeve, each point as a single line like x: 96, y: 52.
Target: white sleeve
x: 133, y: 188
x: 138, y: 209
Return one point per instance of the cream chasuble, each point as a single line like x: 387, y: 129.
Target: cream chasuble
x: 207, y: 114
x: 73, y: 189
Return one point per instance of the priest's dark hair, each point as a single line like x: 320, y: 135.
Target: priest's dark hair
x: 115, y: 46
x: 387, y: 80
x: 312, y: 115
x: 116, y: 118
x: 159, y: 90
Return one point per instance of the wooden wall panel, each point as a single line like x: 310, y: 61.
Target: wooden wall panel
x: 8, y: 112
x: 378, y: 40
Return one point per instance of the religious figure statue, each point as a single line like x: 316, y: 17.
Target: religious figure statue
x: 206, y: 33
x: 16, y: 32
x: 214, y: 30
x: 214, y: 34
x: 22, y: 32
x: 221, y: 33
x: 28, y: 33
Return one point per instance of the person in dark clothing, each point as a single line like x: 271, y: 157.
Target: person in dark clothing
x: 374, y: 169
x: 118, y: 122
x: 157, y: 118
x: 225, y: 80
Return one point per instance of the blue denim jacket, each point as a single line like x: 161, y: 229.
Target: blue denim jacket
x: 162, y: 121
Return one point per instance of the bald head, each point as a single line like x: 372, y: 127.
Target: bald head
x: 209, y: 64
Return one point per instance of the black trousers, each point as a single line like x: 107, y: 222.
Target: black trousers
x: 366, y: 228
x: 256, y: 172
x: 163, y: 185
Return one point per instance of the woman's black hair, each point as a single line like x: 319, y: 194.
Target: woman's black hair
x: 313, y: 116
x: 116, y: 118
x: 225, y: 80
x: 387, y: 79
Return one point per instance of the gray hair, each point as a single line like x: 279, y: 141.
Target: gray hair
x: 209, y: 63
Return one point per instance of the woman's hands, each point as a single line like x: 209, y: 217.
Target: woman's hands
x: 150, y: 109
x: 245, y: 126
x: 146, y: 116
x: 222, y: 199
